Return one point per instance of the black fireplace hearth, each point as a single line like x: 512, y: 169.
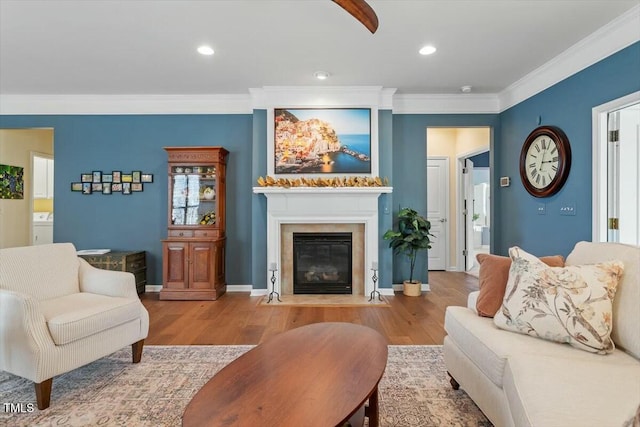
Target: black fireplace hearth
x: 322, y: 263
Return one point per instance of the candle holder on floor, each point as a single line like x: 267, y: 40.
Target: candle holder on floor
x: 374, y: 268
x: 273, y: 268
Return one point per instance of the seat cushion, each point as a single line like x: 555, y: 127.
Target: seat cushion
x: 76, y: 316
x: 489, y: 347
x: 559, y: 391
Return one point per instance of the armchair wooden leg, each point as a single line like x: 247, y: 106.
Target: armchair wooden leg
x: 453, y: 382
x: 136, y: 350
x: 43, y: 393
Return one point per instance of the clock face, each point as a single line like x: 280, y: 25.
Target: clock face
x: 542, y: 161
x: 545, y: 160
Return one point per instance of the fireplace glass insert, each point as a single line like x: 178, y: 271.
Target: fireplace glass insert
x: 322, y: 263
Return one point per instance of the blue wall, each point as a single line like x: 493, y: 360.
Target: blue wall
x: 84, y: 143
x: 410, y: 168
x: 139, y: 221
x: 568, y: 105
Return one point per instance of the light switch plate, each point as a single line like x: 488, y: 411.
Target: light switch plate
x: 568, y: 209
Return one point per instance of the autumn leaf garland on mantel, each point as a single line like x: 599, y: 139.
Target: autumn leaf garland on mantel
x: 353, y: 181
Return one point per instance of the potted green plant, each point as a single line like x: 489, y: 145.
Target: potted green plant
x: 411, y: 236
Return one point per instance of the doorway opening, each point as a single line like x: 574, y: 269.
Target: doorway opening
x: 17, y: 147
x: 458, y: 235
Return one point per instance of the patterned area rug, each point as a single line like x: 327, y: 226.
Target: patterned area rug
x: 112, y: 391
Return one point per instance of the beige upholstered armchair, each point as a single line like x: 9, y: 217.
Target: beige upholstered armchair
x: 58, y: 313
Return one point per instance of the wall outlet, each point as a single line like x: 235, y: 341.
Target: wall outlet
x: 568, y: 209
x: 541, y: 209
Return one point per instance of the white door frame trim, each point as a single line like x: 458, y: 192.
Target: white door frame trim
x: 460, y: 224
x: 599, y: 162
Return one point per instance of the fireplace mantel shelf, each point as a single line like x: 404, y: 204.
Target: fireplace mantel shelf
x: 322, y: 190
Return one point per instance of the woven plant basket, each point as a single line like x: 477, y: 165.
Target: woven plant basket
x: 412, y: 289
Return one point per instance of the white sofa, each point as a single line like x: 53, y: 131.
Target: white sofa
x: 58, y: 313
x: 519, y: 380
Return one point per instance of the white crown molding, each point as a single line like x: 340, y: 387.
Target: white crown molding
x: 321, y: 96
x: 613, y: 37
x: 445, y: 104
x: 125, y: 104
x: 616, y: 35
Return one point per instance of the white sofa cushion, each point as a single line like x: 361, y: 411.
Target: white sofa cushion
x: 557, y: 391
x: 489, y: 347
x: 76, y: 316
x: 626, y: 314
x: 571, y: 304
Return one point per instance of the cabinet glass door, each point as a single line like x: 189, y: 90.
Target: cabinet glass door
x: 193, y: 195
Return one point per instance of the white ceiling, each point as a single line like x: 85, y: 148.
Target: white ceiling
x: 149, y: 47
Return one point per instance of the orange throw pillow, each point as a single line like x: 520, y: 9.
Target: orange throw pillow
x: 493, y: 275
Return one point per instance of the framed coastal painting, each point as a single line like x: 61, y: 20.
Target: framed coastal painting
x: 322, y: 140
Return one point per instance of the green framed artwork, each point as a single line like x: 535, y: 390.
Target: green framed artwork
x: 11, y: 182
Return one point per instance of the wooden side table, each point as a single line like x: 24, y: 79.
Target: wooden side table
x: 131, y: 261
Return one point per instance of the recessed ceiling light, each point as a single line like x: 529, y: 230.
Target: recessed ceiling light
x: 427, y: 50
x: 321, y: 75
x: 465, y: 89
x: 205, y: 50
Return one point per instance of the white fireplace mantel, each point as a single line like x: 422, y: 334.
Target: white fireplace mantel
x: 322, y: 205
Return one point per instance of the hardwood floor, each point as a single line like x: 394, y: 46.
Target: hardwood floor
x: 236, y: 318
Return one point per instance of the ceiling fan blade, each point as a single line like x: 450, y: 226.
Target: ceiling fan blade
x: 360, y: 10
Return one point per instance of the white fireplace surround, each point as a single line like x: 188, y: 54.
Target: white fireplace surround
x: 313, y: 205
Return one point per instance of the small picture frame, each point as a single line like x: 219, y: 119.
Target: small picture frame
x: 135, y: 176
x: 97, y: 176
x: 126, y: 188
x: 116, y: 187
x: 146, y: 177
x: 86, y: 177
x: 106, y: 188
x: 107, y: 177
x: 136, y: 186
x: 86, y: 188
x: 116, y: 176
x: 127, y: 177
x: 96, y: 187
x: 76, y: 186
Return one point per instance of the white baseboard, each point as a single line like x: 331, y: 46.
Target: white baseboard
x: 239, y: 288
x: 261, y: 292
x: 398, y: 287
x: 230, y: 288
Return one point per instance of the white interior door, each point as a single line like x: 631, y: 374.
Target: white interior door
x: 437, y: 210
x: 623, y: 175
x: 467, y: 211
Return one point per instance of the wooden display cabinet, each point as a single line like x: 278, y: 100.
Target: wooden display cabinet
x: 193, y: 255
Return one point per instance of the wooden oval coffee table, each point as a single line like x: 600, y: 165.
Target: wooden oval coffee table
x: 315, y: 375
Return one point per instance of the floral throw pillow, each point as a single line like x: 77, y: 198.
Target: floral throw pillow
x: 571, y: 304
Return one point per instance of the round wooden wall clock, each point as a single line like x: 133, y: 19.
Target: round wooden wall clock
x: 545, y: 161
